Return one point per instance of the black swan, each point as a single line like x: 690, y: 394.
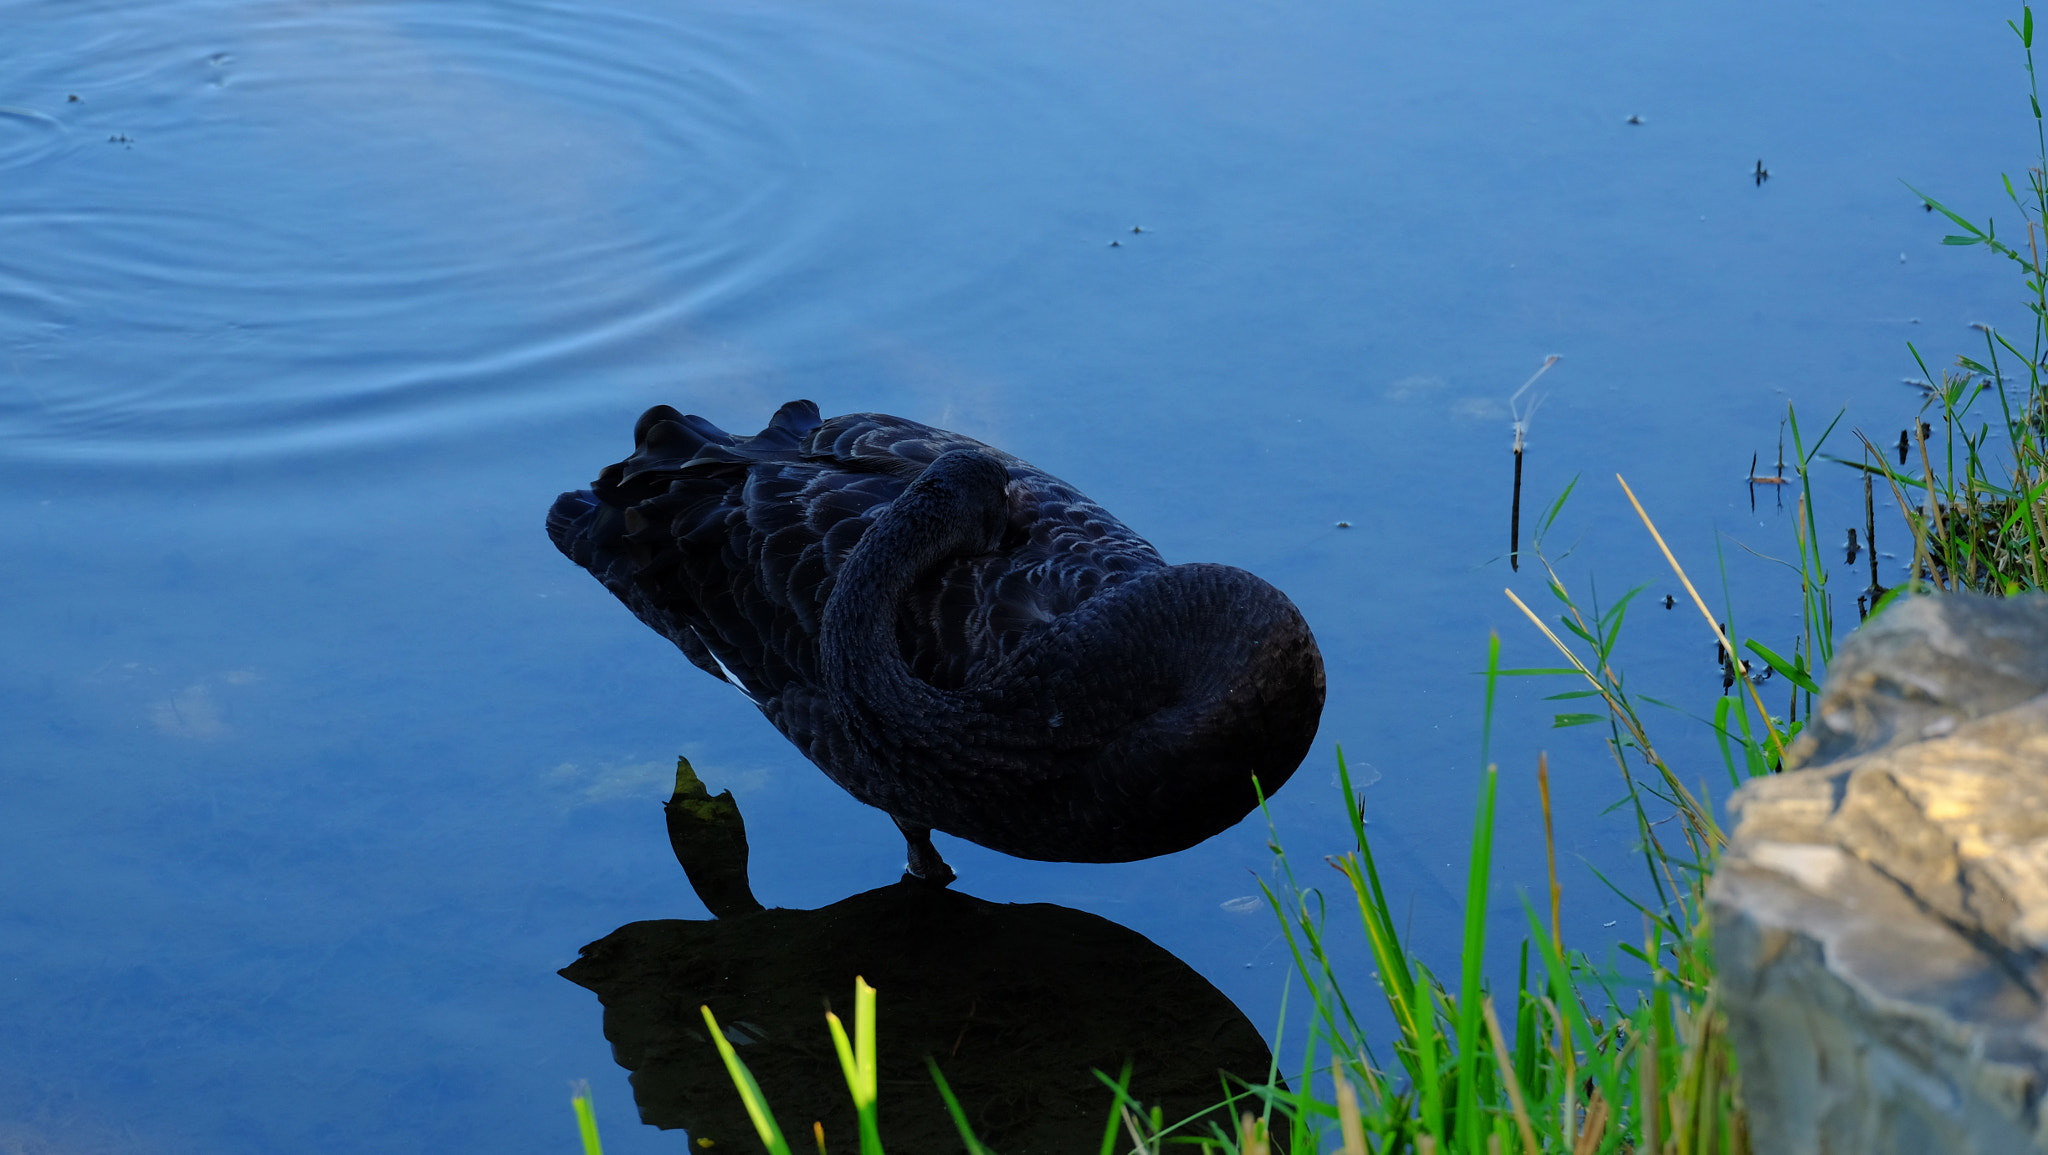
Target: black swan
x: 956, y: 638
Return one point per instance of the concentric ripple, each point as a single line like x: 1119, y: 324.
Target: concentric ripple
x: 329, y: 222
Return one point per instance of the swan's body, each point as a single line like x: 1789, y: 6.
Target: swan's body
x: 953, y: 636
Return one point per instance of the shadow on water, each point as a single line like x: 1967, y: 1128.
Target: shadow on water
x: 1019, y: 1004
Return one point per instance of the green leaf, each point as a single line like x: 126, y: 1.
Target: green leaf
x: 750, y: 1091
x: 1955, y: 240
x: 1556, y: 507
x: 1564, y: 720
x: 1570, y: 694
x: 1946, y: 211
x: 1795, y: 672
x: 2020, y: 508
x: 586, y: 1120
x: 953, y: 1108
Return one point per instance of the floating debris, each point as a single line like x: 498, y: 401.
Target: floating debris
x: 1779, y: 478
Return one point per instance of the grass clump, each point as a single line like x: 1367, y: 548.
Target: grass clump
x: 1977, y: 505
x: 1575, y: 1057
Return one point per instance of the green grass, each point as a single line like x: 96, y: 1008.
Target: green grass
x: 1971, y: 488
x: 1574, y: 1056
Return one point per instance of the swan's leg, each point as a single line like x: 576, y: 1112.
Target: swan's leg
x: 925, y: 862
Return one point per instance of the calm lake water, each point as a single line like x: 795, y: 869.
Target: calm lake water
x: 319, y: 760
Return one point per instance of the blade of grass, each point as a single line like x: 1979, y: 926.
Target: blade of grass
x: 1475, y: 914
x: 954, y: 1109
x: 750, y: 1091
x: 586, y: 1118
x: 857, y: 1060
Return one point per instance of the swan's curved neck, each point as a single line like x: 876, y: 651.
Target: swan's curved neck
x: 955, y: 508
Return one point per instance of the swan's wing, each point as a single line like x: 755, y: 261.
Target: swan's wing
x: 961, y: 618
x: 878, y: 442
x: 729, y: 545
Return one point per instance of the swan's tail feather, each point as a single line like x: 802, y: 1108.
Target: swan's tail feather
x: 668, y: 444
x: 787, y: 428
x: 572, y: 526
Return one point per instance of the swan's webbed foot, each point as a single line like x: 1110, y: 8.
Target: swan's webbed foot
x: 924, y: 860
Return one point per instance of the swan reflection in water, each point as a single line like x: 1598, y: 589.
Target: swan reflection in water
x: 955, y: 637
x: 1018, y: 1004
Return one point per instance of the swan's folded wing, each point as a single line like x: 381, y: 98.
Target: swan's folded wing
x: 877, y: 442
x: 729, y: 545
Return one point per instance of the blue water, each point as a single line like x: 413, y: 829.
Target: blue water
x: 319, y: 760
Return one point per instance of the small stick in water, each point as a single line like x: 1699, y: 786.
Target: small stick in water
x: 1515, y: 510
x: 1777, y: 478
x: 1522, y: 421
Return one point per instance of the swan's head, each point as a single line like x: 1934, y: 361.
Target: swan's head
x: 966, y: 492
x: 1171, y: 692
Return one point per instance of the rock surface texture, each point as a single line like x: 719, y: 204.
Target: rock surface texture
x: 1881, y: 912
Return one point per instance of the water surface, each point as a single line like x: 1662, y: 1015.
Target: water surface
x: 320, y: 759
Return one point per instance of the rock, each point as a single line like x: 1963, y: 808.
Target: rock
x: 1880, y: 914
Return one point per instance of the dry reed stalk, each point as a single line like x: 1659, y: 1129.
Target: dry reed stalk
x: 1348, y: 1120
x: 1507, y: 1078
x: 1776, y: 743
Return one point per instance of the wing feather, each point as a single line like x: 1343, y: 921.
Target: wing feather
x: 729, y: 546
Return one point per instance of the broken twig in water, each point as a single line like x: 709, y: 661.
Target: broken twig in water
x: 1522, y: 421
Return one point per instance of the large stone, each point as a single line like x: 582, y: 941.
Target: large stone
x: 1881, y: 912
